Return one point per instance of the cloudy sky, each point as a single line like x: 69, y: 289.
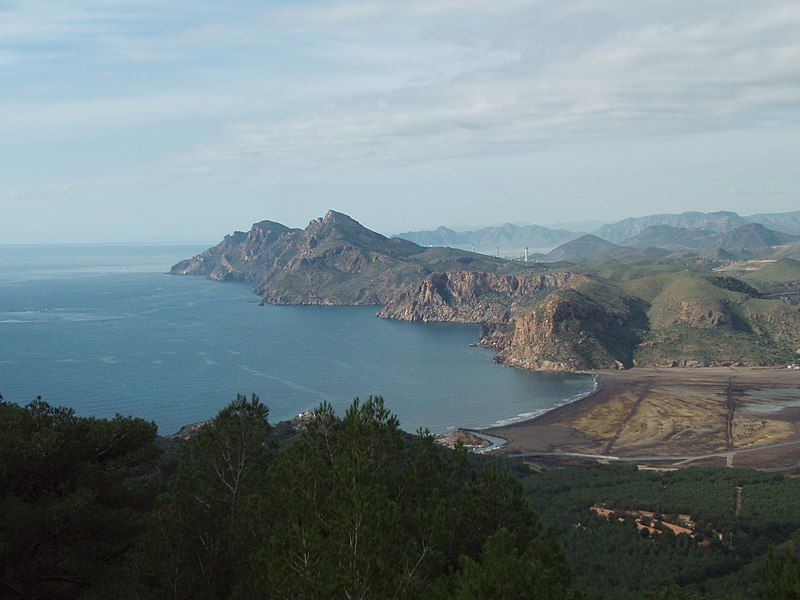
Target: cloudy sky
x: 155, y: 120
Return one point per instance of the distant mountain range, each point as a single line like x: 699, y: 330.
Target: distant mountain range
x: 507, y: 237
x: 717, y: 222
x: 694, y: 231
x: 751, y: 240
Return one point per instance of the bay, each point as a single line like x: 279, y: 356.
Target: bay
x: 103, y: 329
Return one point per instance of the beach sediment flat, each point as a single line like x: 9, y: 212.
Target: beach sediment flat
x: 737, y: 416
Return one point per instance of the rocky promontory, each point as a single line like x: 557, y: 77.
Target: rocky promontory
x: 550, y: 321
x: 335, y: 261
x: 575, y: 329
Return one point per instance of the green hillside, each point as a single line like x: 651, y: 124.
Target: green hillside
x: 699, y: 319
x: 785, y: 270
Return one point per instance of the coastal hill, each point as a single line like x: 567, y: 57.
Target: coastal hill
x: 586, y: 247
x: 776, y: 277
x: 335, y: 260
x: 751, y: 239
x: 571, y: 321
x: 754, y: 237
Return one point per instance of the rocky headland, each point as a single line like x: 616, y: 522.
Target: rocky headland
x: 333, y: 261
x: 620, y: 311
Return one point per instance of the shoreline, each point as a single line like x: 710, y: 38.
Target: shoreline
x: 541, y: 413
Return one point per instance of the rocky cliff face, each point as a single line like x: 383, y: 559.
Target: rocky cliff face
x: 571, y: 331
x: 472, y: 297
x: 551, y: 321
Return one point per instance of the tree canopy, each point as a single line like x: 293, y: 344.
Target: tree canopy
x: 352, y: 507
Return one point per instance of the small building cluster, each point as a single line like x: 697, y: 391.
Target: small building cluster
x: 465, y: 437
x: 649, y: 521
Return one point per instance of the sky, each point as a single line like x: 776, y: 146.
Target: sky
x: 153, y: 121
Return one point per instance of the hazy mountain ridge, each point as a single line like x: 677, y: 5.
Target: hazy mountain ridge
x: 784, y: 222
x: 715, y: 222
x: 508, y: 237
x: 721, y: 222
x: 632, y: 231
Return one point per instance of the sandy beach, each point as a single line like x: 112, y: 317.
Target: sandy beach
x: 734, y: 416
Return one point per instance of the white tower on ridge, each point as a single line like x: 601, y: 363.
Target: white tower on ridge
x: 526, y: 254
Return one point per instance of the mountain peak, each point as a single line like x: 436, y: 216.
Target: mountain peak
x: 336, y: 217
x: 334, y: 220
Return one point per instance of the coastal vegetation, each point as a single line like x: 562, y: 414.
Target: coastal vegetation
x: 346, y: 506
x: 730, y: 555
x: 351, y: 506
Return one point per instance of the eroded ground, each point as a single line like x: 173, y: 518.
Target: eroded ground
x: 674, y: 417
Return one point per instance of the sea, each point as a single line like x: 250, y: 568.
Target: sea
x: 105, y: 330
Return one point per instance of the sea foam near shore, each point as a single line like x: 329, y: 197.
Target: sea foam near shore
x: 529, y: 416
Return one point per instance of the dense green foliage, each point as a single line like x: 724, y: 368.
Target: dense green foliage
x: 780, y: 577
x: 612, y: 559
x: 74, y: 493
x: 351, y: 508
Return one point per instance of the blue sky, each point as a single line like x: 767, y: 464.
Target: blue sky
x: 181, y: 121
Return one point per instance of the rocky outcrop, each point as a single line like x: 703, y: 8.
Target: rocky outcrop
x: 571, y: 330
x: 551, y: 321
x: 334, y: 260
x: 698, y: 314
x: 240, y: 256
x: 473, y: 297
x: 463, y: 437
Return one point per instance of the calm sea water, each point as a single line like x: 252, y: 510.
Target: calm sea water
x: 102, y: 329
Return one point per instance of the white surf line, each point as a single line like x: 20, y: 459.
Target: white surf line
x: 287, y: 383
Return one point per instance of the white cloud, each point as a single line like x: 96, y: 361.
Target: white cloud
x: 373, y: 84
x: 671, y: 75
x: 357, y: 13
